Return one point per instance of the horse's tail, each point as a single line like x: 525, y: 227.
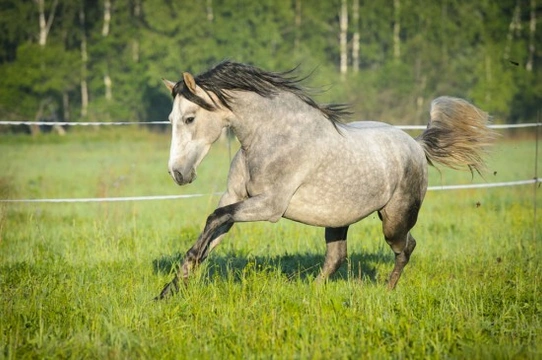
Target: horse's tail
x: 457, y: 135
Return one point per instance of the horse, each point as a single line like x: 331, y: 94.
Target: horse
x: 301, y: 161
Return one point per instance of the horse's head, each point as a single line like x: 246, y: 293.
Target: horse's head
x: 194, y: 127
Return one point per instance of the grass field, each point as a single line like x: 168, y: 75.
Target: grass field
x: 77, y: 280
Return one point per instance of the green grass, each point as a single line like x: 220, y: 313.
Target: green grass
x: 77, y: 280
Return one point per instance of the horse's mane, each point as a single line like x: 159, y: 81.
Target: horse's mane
x: 229, y: 75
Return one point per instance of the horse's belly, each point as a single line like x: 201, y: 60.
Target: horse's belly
x: 332, y: 208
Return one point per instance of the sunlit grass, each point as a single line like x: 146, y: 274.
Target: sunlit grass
x: 77, y: 280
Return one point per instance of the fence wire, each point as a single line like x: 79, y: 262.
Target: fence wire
x: 535, y: 180
x: 116, y: 123
x: 187, y: 196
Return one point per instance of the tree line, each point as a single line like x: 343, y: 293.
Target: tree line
x: 83, y: 60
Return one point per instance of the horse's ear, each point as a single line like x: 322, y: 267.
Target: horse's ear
x: 190, y: 82
x: 169, y: 84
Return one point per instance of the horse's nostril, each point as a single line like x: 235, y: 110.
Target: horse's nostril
x: 178, y: 176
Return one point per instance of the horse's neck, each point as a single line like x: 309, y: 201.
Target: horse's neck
x: 258, y: 117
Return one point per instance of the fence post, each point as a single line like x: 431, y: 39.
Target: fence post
x: 536, y: 183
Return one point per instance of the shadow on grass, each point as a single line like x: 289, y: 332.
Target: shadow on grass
x: 304, y: 266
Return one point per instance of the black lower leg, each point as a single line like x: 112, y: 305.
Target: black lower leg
x: 336, y: 250
x: 401, y: 259
x: 192, y: 258
x: 183, y: 270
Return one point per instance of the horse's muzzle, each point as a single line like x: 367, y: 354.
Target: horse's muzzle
x: 180, y: 179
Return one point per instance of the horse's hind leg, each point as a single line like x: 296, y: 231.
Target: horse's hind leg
x: 401, y: 259
x: 396, y: 224
x: 335, y: 251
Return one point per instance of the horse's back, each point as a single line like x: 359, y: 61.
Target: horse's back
x: 367, y: 125
x: 370, y: 129
x: 385, y: 140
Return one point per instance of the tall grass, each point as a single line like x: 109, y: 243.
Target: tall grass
x: 77, y: 280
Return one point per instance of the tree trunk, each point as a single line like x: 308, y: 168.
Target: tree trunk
x: 355, y: 39
x: 59, y: 129
x: 297, y: 24
x: 396, y: 29
x: 444, y: 20
x: 489, y: 78
x: 107, y: 18
x: 35, y: 129
x: 343, y: 23
x: 210, y: 14
x: 45, y: 26
x: 105, y: 33
x: 512, y: 29
x: 135, y: 50
x: 135, y: 40
x: 532, y: 31
x: 84, y: 61
x: 108, y: 86
x: 66, y: 105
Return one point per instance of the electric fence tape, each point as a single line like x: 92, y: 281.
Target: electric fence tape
x: 187, y: 196
x: 95, y: 123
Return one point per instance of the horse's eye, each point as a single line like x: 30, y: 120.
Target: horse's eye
x: 189, y: 120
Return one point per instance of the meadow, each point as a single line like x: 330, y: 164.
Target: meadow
x: 77, y: 280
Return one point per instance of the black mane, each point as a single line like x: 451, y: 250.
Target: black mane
x: 230, y: 75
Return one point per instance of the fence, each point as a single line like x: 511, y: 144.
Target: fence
x: 90, y: 123
x: 535, y: 180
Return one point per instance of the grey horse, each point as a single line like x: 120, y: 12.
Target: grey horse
x: 298, y: 159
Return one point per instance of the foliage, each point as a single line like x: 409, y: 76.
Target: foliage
x: 477, y: 50
x: 77, y: 280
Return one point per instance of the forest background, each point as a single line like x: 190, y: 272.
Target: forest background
x: 82, y: 60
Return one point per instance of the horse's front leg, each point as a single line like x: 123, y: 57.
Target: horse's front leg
x: 217, y: 225
x: 213, y: 233
x: 258, y: 208
x: 197, y: 253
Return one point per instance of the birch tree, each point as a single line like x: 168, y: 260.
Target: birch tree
x: 84, y: 61
x: 396, y: 29
x: 532, y: 32
x: 513, y: 30
x: 297, y: 25
x: 108, y: 84
x: 356, y: 37
x: 44, y: 29
x: 209, y: 10
x: 343, y: 24
x: 45, y: 25
x: 135, y: 38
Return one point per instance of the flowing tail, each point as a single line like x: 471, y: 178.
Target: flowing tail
x: 457, y: 135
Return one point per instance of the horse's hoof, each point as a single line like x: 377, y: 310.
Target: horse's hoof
x: 169, y: 290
